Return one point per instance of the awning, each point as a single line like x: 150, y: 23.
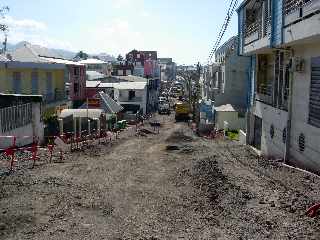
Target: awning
x: 81, y: 113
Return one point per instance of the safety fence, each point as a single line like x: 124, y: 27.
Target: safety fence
x: 16, y: 157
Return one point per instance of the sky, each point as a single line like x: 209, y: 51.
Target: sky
x: 184, y: 30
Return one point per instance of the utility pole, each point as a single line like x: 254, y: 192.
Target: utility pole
x: 197, y: 95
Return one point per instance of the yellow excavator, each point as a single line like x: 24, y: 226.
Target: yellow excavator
x: 182, y: 111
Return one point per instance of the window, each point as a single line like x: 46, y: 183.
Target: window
x: 132, y: 95
x: 34, y: 82
x: 76, y: 88
x: 314, y: 103
x: 50, y: 92
x: 17, y: 82
x: 76, y: 71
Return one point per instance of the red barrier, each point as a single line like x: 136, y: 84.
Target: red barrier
x: 312, y: 212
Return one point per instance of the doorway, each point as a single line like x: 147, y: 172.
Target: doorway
x: 257, y: 132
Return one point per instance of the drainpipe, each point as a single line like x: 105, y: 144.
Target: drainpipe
x: 289, y: 120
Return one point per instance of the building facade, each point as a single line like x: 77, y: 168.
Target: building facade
x: 232, y: 79
x: 282, y: 39
x: 29, y: 78
x: 20, y: 116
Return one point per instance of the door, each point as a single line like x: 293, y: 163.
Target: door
x: 257, y: 132
x: 35, y: 82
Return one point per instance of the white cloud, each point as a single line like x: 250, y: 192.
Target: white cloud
x: 24, y: 24
x: 33, y: 31
x: 117, y: 36
x: 126, y: 3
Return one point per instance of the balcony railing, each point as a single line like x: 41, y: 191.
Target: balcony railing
x: 264, y: 93
x: 291, y: 6
x: 253, y: 29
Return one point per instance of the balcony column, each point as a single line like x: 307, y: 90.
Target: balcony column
x: 263, y: 19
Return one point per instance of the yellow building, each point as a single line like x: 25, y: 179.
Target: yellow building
x: 41, y: 78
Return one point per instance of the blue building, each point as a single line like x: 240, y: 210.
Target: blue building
x: 282, y: 38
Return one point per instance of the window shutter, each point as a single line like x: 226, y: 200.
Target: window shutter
x: 314, y: 104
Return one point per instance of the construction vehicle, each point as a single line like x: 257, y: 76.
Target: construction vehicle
x: 164, y: 107
x: 182, y: 111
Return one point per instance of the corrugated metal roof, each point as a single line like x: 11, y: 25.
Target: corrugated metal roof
x: 130, y: 85
x: 82, y: 113
x: 61, y: 61
x: 225, y: 108
x: 33, y: 53
x: 3, y: 58
x: 92, y: 61
x: 25, y: 54
x: 92, y: 84
x: 93, y: 75
x: 110, y: 106
x: 107, y: 85
x: 131, y: 78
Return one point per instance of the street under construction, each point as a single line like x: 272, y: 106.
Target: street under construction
x: 171, y: 185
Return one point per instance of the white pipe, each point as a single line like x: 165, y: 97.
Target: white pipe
x: 61, y: 126
x: 290, y: 107
x: 89, y: 127
x: 98, y: 127
x: 74, y: 127
x: 80, y: 127
x: 300, y: 170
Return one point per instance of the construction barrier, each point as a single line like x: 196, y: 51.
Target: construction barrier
x: 57, y: 146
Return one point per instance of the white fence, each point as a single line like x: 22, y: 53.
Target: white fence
x: 15, y: 117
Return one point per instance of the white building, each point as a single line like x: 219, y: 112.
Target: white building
x: 282, y: 37
x: 97, y: 65
x: 20, y: 116
x: 132, y: 96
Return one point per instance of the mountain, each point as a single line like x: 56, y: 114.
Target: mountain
x: 64, y: 53
x: 104, y: 57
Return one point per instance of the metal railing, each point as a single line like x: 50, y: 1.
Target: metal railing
x: 253, y: 28
x: 265, y: 89
x: 290, y: 6
x: 15, y: 117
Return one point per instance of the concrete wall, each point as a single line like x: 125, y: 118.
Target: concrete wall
x: 123, y: 99
x: 310, y: 158
x: 303, y: 31
x: 234, y: 122
x: 273, y: 147
x: 25, y: 134
x: 236, y: 82
x: 256, y: 45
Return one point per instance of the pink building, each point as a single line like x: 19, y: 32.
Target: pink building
x: 77, y: 81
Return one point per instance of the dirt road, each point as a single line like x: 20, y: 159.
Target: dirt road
x: 138, y: 189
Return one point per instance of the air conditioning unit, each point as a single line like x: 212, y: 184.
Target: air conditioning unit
x: 298, y: 64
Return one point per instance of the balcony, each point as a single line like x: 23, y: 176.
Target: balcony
x: 264, y: 93
x: 296, y: 10
x: 297, y: 15
x: 257, y: 26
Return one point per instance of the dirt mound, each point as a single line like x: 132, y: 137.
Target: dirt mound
x: 216, y: 186
x: 180, y: 136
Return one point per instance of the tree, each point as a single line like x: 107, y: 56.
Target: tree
x: 4, y: 27
x: 3, y: 11
x: 82, y: 55
x: 120, y: 58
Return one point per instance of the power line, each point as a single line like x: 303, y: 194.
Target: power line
x: 231, y: 9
